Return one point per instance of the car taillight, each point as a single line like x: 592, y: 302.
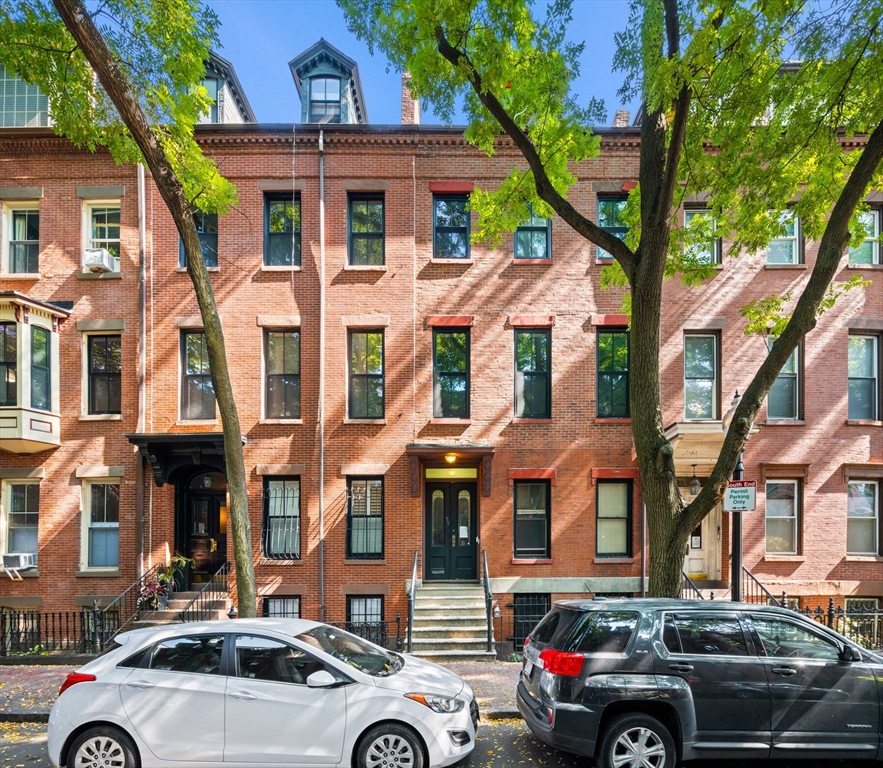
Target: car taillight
x: 73, y: 678
x: 561, y: 662
x: 526, y: 641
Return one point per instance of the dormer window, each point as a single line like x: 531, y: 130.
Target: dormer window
x: 211, y: 85
x: 325, y: 100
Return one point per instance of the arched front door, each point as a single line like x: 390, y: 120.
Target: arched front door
x: 451, y: 547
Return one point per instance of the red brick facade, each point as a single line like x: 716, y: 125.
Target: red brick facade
x: 491, y: 294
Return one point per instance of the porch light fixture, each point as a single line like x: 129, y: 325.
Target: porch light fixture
x: 450, y: 457
x: 695, y: 485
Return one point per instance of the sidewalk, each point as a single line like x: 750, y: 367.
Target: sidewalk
x: 27, y: 692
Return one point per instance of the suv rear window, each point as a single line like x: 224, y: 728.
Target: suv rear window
x: 586, y: 631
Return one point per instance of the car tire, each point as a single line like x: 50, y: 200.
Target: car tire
x: 642, y: 737
x: 390, y: 745
x: 103, y: 747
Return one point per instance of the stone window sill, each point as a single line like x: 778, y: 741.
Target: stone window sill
x: 99, y: 275
x: 786, y: 422
x: 532, y: 561
x: 608, y: 420
x: 864, y: 266
x: 864, y: 423
x: 196, y: 423
x: 365, y: 268
x: 210, y: 269
x: 29, y: 574
x: 604, y: 262
x: 363, y: 561
x: 269, y: 561
x: 535, y: 262
x: 292, y: 268
x: 101, y: 417
x: 621, y: 560
x: 450, y: 421
x: 364, y: 421
x: 20, y: 276
x: 452, y: 261
x: 518, y: 420
x: 784, y: 266
x: 293, y: 422
x: 862, y: 559
x: 784, y: 558
x: 109, y: 573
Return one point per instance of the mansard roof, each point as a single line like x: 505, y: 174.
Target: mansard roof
x: 323, y: 53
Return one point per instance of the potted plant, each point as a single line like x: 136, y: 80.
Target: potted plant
x: 155, y: 591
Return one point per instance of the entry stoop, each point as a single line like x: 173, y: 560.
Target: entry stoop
x: 450, y: 623
x: 172, y: 612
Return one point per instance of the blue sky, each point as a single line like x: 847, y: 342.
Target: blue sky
x: 260, y: 37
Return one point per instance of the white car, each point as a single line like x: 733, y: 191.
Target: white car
x: 252, y: 692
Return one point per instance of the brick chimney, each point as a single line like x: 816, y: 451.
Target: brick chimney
x: 410, y: 105
x: 621, y: 118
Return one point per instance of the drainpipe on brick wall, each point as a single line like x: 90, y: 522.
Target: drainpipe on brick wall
x: 321, y: 375
x: 142, y: 360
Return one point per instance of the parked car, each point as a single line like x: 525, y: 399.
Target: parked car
x: 285, y: 692
x: 645, y: 683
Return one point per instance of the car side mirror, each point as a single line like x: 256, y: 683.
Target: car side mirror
x: 850, y: 654
x: 322, y: 679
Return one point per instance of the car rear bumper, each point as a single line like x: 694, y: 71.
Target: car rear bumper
x: 570, y: 739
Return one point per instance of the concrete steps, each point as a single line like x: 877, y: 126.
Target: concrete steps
x: 450, y: 623
x: 172, y: 612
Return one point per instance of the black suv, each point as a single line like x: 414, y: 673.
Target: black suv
x: 643, y: 683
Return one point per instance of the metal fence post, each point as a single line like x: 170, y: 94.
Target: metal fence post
x: 399, y: 639
x: 830, y: 613
x: 96, y: 629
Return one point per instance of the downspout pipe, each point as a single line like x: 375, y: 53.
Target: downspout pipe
x: 142, y: 360
x: 321, y: 375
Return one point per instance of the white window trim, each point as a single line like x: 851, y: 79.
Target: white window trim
x: 795, y: 518
x: 88, y: 205
x: 6, y: 223
x: 797, y: 387
x: 715, y: 388
x: 783, y: 216
x: 85, y: 520
x: 875, y: 367
x: 6, y: 506
x: 715, y: 242
x: 876, y: 548
x: 873, y: 239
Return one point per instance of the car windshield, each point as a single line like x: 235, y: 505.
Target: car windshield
x: 353, y: 651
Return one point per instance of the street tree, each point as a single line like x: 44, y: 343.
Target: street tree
x: 755, y: 106
x: 126, y: 76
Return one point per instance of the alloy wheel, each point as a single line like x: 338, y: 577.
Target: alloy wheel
x: 390, y: 751
x: 100, y: 752
x: 638, y: 748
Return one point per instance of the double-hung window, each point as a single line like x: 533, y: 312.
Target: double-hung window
x: 704, y: 246
x: 23, y: 518
x: 611, y: 210
x: 366, y: 377
x: 782, y: 500
x: 282, y: 353
x: 103, y: 525
x: 103, y: 222
x: 41, y: 370
x: 8, y: 364
x: 613, y: 505
x: 786, y: 248
x: 863, y: 518
x: 450, y: 227
x: 533, y: 369
x: 613, y: 373
x: 281, y: 529
x: 282, y: 607
x: 532, y: 518
x: 868, y: 251
x: 281, y: 231
x: 863, y: 365
x: 701, y: 381
x: 783, y: 400
x: 207, y: 229
x: 104, y: 354
x: 366, y: 230
x: 364, y: 609
x: 364, y: 525
x: 22, y: 105
x: 450, y: 356
x: 325, y: 100
x: 533, y: 239
x: 23, y: 240
x: 197, y: 390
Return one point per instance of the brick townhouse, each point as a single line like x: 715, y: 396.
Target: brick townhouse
x: 402, y: 392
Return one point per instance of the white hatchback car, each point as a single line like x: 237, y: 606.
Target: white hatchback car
x: 251, y: 692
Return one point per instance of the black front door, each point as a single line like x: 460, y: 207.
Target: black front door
x: 450, y: 531
x: 206, y: 531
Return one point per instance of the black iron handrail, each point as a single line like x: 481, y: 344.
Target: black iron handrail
x: 123, y: 609
x: 755, y: 592
x: 488, y: 601
x: 412, y: 597
x: 201, y: 606
x: 689, y: 590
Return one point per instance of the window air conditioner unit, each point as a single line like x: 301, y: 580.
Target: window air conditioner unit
x: 100, y: 260
x: 20, y: 560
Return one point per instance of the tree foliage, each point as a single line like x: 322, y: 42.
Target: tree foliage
x: 754, y: 108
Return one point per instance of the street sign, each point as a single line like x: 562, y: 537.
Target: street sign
x: 741, y: 496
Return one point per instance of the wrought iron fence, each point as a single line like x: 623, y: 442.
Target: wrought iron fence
x: 205, y: 603
x: 38, y: 633
x: 378, y: 632
x: 861, y: 624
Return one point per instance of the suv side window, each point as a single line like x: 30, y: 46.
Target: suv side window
x: 705, y: 635
x: 200, y: 654
x: 782, y: 639
x: 604, y: 632
x: 262, y: 658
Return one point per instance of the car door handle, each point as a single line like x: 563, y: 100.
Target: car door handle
x: 243, y: 695
x: 681, y: 667
x: 784, y: 671
x: 140, y: 684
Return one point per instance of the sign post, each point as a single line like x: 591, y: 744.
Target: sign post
x: 741, y: 496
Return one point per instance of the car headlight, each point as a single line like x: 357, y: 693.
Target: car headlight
x: 445, y: 705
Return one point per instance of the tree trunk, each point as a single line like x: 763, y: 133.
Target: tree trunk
x: 91, y: 42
